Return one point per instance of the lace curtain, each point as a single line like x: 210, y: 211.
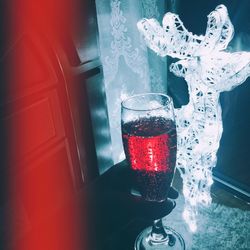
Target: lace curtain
x: 129, y: 67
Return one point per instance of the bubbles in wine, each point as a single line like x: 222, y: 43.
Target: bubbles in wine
x: 150, y: 147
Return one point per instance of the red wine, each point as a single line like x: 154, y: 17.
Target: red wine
x: 150, y: 147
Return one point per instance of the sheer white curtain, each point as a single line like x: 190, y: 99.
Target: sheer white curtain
x: 129, y: 67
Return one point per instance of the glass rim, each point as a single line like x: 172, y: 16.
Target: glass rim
x: 169, y: 100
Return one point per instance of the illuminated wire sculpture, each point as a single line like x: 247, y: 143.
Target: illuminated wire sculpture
x: 208, y: 70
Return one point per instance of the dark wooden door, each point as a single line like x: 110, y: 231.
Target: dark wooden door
x: 45, y: 172
x: 52, y: 95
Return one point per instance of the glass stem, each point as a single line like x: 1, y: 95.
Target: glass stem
x: 158, y: 233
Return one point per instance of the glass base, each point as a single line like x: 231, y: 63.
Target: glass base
x: 173, y: 241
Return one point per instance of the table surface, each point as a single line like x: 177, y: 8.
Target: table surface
x: 123, y: 235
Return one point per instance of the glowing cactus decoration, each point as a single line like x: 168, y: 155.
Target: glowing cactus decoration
x: 208, y: 70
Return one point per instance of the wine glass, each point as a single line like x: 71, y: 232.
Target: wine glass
x: 150, y: 144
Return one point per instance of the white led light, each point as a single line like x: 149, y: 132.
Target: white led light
x: 193, y: 226
x: 208, y: 70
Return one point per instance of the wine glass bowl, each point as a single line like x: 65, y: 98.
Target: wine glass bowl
x: 150, y: 144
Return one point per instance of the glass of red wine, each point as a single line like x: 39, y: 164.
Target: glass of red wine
x: 150, y: 144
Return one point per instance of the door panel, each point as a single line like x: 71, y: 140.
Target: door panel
x: 43, y: 167
x: 39, y: 124
x: 37, y: 109
x: 47, y: 183
x: 28, y: 52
